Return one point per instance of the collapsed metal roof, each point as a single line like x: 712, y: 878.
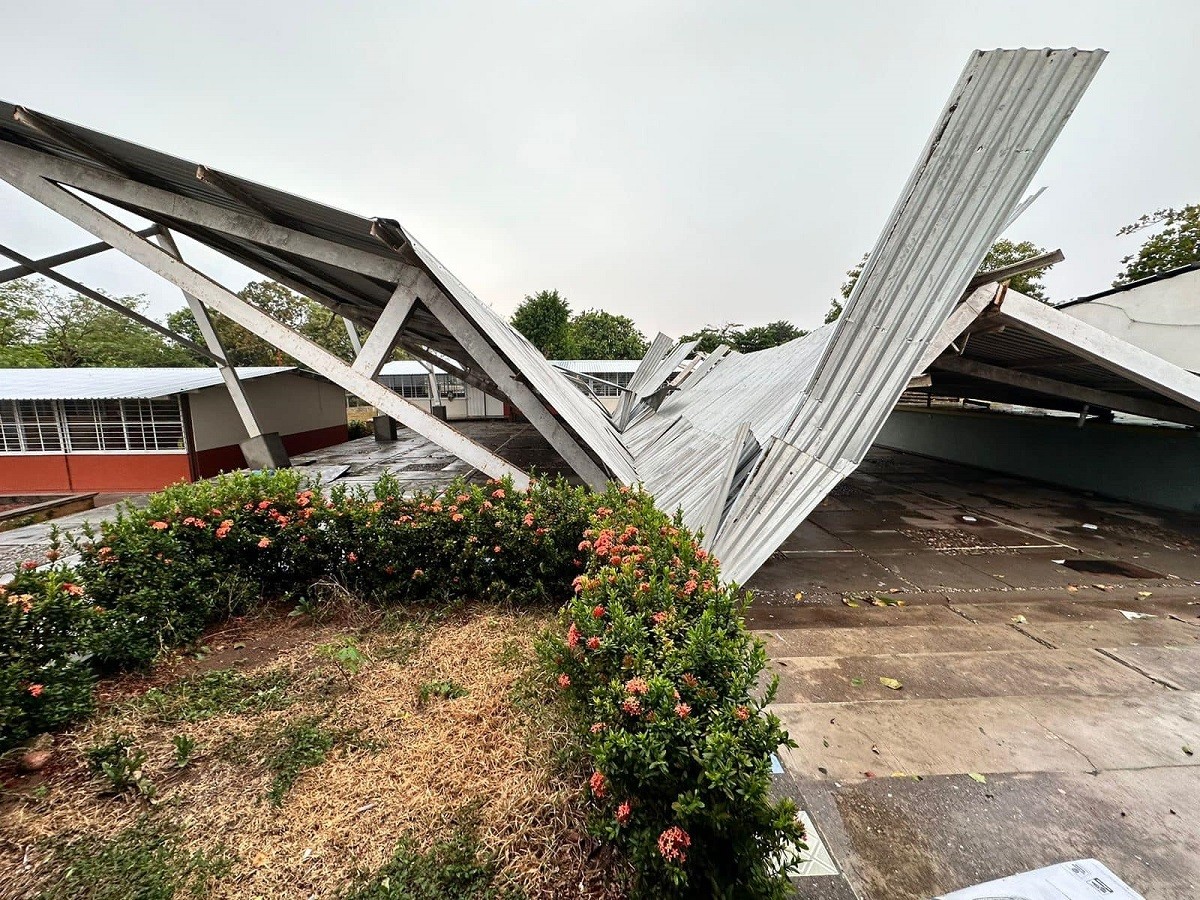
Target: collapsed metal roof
x: 745, y: 444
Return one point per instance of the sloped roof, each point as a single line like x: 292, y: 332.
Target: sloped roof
x: 116, y: 384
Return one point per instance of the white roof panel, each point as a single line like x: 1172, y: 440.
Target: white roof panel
x: 114, y: 384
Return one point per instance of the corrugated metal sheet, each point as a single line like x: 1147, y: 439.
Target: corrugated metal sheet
x: 1000, y: 122
x: 116, y: 384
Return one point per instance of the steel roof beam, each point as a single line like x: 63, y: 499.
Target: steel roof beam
x: 204, y: 322
x: 152, y: 201
x: 68, y: 256
x: 522, y: 396
x: 1053, y: 388
x: 212, y: 294
x: 115, y: 306
x: 1108, y: 351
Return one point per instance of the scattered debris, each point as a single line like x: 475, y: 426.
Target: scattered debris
x: 1019, y: 620
x: 975, y: 776
x: 1135, y: 615
x: 1089, y: 526
x: 891, y: 683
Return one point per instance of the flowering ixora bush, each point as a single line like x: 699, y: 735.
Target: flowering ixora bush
x: 654, y: 664
x: 661, y: 675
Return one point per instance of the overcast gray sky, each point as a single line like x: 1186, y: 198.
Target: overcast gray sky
x: 680, y: 163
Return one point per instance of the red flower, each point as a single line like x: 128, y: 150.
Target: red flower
x: 264, y: 504
x: 36, y: 690
x: 631, y: 706
x: 73, y: 589
x: 572, y: 636
x: 742, y: 713
x: 224, y: 527
x: 498, y: 493
x: 624, y: 812
x: 673, y: 844
x: 159, y: 526
x: 599, y: 785
x: 637, y: 686
x: 352, y: 557
x: 598, y: 727
x: 690, y: 680
x: 593, y: 643
x: 456, y: 517
x: 564, y: 680
x: 690, y: 586
x: 52, y: 555
x: 528, y: 520
x: 598, y: 612
x: 659, y: 617
x: 682, y: 710
x: 264, y: 543
x: 462, y: 498
x: 418, y: 573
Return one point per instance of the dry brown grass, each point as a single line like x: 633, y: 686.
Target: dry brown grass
x: 417, y: 769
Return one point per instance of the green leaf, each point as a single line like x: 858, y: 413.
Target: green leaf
x: 891, y: 683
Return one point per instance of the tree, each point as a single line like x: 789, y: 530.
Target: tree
x: 243, y: 348
x: 1178, y: 244
x: 1003, y: 253
x: 596, y: 334
x: 744, y: 340
x: 760, y: 337
x: 544, y: 319
x: 45, y: 326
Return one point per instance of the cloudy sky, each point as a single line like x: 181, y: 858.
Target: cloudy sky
x: 680, y: 163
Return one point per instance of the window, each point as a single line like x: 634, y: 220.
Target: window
x: 604, y: 390
x: 91, y: 426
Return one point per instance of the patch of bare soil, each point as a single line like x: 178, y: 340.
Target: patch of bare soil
x: 398, y: 765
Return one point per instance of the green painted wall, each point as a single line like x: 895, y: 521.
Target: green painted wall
x: 1155, y: 466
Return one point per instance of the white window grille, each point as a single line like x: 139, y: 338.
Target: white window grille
x: 91, y: 426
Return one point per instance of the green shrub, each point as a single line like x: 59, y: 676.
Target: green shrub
x: 455, y: 869
x: 147, y: 861
x: 46, y: 631
x: 220, y: 692
x: 656, y: 668
x: 119, y: 763
x: 446, y: 689
x: 660, y: 673
x: 301, y: 745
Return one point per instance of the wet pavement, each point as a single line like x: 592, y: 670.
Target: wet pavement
x: 1043, y: 711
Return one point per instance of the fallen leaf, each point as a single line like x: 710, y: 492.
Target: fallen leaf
x: 240, y: 645
x: 1072, y: 589
x: 1187, y: 749
x: 975, y: 776
x: 1143, y: 594
x: 799, y: 595
x: 1019, y: 620
x: 824, y: 743
x: 849, y: 602
x: 857, y: 682
x: 890, y: 683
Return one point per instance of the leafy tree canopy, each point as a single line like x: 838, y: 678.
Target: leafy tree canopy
x: 1177, y: 244
x: 43, y: 326
x: 1003, y: 253
x: 596, y: 334
x: 544, y: 319
x: 744, y: 340
x: 243, y: 348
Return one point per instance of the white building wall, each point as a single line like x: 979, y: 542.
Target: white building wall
x: 1162, y: 317
x: 286, y: 403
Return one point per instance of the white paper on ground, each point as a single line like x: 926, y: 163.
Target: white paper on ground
x: 1084, y: 879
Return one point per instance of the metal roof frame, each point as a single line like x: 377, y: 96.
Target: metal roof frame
x: 745, y: 444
